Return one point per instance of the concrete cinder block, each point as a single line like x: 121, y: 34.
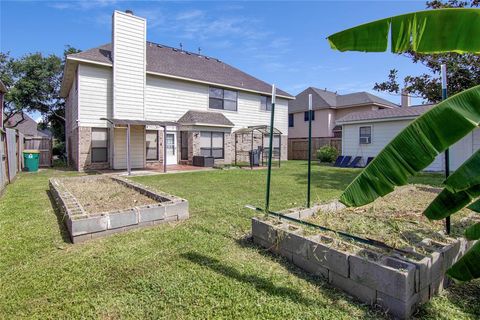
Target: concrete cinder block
x: 353, y: 288
x: 151, y: 213
x: 423, y: 265
x: 329, y: 257
x: 176, y: 208
x: 123, y: 219
x: 451, y: 254
x: 437, y: 286
x: 295, y: 243
x: 88, y: 225
x: 398, y: 308
x: 310, y: 266
x: 391, y: 276
x: 81, y: 238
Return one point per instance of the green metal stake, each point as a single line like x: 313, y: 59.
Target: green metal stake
x: 310, y: 111
x: 270, y: 149
x: 443, y: 68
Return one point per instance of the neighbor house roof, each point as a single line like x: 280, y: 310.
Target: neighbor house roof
x: 324, y: 99
x: 206, y: 118
x: 171, y: 62
x: 385, y: 114
x: 27, y: 126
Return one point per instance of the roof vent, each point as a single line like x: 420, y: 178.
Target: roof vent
x: 128, y: 11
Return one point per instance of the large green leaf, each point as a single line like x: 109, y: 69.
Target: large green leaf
x: 475, y: 206
x: 473, y: 232
x: 448, y: 202
x: 466, y: 176
x: 416, y: 147
x: 432, y: 31
x: 466, y: 268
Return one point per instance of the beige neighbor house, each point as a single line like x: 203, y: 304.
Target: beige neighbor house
x: 132, y: 103
x: 365, y: 134
x: 327, y: 108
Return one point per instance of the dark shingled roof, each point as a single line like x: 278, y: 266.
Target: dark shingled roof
x: 386, y: 114
x: 174, y: 62
x: 323, y: 99
x: 192, y: 117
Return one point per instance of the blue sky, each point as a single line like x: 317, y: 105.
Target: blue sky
x: 279, y: 42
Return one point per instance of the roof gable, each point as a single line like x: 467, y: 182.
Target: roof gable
x: 324, y: 99
x: 168, y: 61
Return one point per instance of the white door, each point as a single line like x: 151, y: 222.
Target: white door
x: 171, y: 144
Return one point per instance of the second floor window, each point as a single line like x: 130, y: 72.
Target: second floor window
x: 290, y: 120
x: 223, y: 99
x: 265, y: 103
x: 305, y: 115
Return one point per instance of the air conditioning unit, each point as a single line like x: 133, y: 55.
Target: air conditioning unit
x: 364, y: 140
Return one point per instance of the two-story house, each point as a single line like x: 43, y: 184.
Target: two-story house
x: 327, y: 108
x: 125, y: 98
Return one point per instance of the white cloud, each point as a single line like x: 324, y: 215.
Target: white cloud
x: 82, y: 4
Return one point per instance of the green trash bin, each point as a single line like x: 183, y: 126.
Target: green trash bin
x: 31, y: 160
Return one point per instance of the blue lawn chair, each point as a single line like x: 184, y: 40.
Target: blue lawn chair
x: 354, y: 163
x: 338, y: 161
x: 345, y: 161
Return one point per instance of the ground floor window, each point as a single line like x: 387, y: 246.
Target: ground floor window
x: 151, y: 144
x: 365, y: 135
x: 184, y: 145
x: 212, y: 144
x: 99, y: 145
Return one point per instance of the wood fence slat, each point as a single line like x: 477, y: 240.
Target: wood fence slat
x: 44, y: 146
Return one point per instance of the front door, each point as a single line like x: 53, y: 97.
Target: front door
x: 171, y: 144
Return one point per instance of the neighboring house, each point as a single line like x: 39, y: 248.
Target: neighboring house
x: 327, y: 108
x: 3, y: 90
x: 27, y: 126
x: 365, y: 134
x: 138, y: 87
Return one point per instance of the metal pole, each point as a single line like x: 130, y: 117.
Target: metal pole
x: 250, y: 158
x: 443, y: 68
x: 164, y: 149
x: 309, y: 148
x: 270, y: 149
x: 129, y: 169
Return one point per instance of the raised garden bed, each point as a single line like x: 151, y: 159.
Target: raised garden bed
x: 97, y: 206
x: 394, y: 280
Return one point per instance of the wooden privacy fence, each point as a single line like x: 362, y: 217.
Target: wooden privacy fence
x: 11, y: 148
x: 44, y: 146
x: 298, y: 147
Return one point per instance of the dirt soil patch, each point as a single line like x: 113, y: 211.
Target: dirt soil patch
x: 104, y: 194
x: 396, y: 219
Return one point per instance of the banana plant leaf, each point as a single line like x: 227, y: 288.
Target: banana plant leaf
x: 466, y: 268
x: 432, y: 31
x: 475, y: 206
x: 448, y: 202
x: 416, y: 147
x: 466, y: 176
x: 473, y: 232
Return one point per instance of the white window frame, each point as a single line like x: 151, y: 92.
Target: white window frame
x: 369, y: 138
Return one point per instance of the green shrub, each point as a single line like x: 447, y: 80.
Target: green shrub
x: 327, y: 154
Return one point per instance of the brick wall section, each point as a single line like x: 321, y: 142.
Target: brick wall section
x: 84, y: 157
x: 397, y: 283
x: 84, y: 226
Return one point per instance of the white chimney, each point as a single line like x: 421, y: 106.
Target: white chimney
x: 406, y: 99
x: 129, y: 35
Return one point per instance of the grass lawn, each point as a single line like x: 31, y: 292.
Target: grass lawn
x: 200, y: 268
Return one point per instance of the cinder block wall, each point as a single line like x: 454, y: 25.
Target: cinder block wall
x: 396, y: 283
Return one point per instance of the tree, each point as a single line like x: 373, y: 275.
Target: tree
x: 463, y: 70
x: 33, y: 82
